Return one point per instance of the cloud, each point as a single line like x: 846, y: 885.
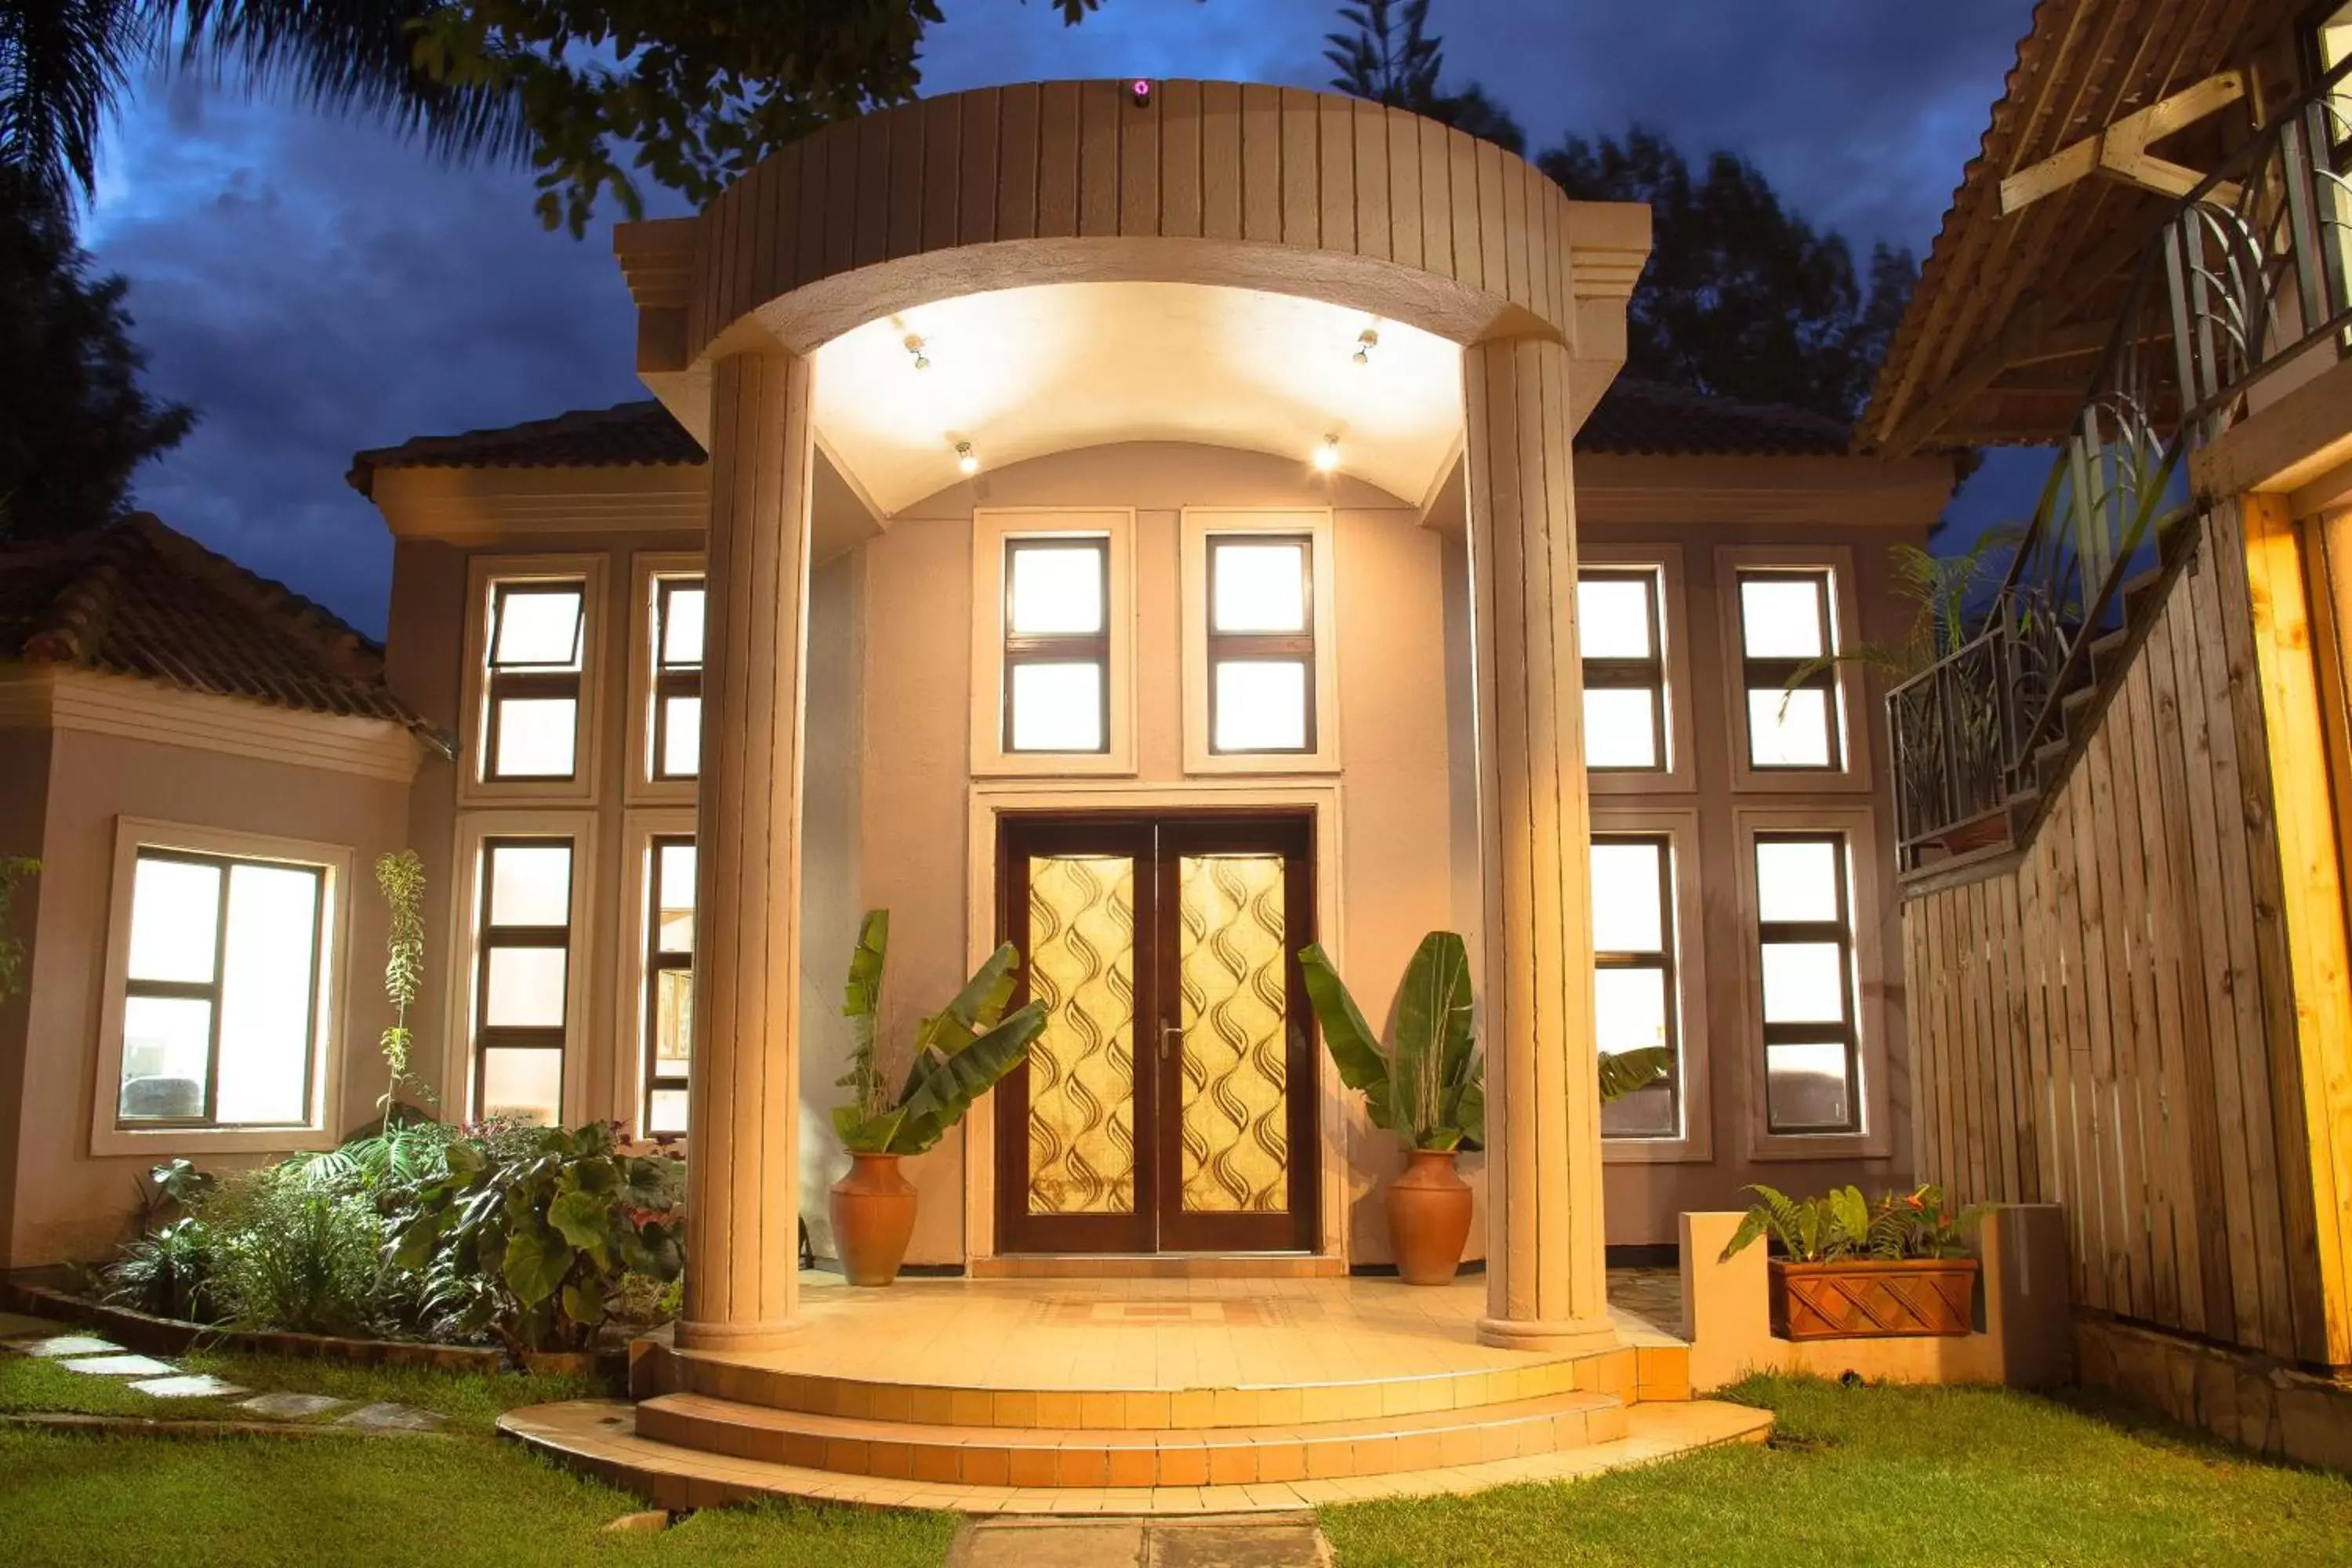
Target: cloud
x: 315, y: 286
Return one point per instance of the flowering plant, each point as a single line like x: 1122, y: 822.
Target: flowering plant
x: 1841, y: 1226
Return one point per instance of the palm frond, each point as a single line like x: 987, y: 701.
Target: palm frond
x: 64, y: 65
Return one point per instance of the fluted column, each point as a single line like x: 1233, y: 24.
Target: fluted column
x: 1544, y: 1262
x: 742, y: 1234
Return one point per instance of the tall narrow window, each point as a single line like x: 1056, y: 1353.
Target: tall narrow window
x: 1787, y: 635
x: 1621, y: 637
x: 1634, y: 978
x: 1261, y: 603
x: 669, y: 985
x: 523, y: 982
x: 677, y: 677
x: 1057, y: 643
x: 221, y: 999
x: 531, y: 729
x: 1805, y: 938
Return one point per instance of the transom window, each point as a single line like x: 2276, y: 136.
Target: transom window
x: 533, y: 723
x: 669, y: 985
x: 1261, y: 643
x: 221, y: 1000
x: 1621, y: 637
x: 1057, y: 643
x: 523, y: 984
x: 677, y: 677
x: 1805, y: 939
x: 1634, y: 981
x: 1788, y: 632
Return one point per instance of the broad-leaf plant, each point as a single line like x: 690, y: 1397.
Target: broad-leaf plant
x: 1841, y: 1226
x: 958, y: 1053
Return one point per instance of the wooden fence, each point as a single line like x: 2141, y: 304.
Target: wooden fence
x: 2107, y: 1020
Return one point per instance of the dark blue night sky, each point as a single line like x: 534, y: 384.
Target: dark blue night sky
x: 315, y: 287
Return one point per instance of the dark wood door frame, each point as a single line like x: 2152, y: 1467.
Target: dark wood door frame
x: 1158, y: 841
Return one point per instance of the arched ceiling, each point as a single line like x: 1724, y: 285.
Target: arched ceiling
x: 1023, y: 373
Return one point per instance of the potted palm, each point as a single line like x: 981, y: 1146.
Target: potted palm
x: 1845, y: 1267
x: 958, y: 1054
x: 1429, y: 1090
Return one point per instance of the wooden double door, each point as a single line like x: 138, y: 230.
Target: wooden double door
x: 1169, y: 1104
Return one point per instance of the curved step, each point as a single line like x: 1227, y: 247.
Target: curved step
x: 1056, y: 1457
x: 599, y: 1437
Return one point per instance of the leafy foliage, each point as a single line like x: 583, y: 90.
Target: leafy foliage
x: 16, y: 870
x: 400, y: 877
x: 1391, y: 57
x: 958, y: 1054
x: 74, y: 419
x: 1841, y: 1225
x: 1740, y: 298
x: 1430, y: 1089
x: 167, y: 1272
x: 286, y: 1254
x: 533, y: 1245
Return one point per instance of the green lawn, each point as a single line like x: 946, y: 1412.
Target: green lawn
x: 1868, y: 1475
x: 1853, y: 1477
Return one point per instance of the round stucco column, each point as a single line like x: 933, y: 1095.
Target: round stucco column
x: 1545, y: 1261
x: 743, y: 1258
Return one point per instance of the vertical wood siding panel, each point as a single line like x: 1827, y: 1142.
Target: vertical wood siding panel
x: 1057, y: 160
x: 1406, y: 243
x: 1914, y: 994
x: 2073, y: 1068
x: 1179, y: 159
x: 1494, y: 226
x: 1102, y: 115
x: 2151, y: 1249
x: 841, y: 149
x: 1016, y: 162
x: 906, y: 139
x: 2033, y: 940
x: 942, y: 169
x: 1302, y: 200
x: 978, y: 186
x: 1261, y: 163
x: 1369, y: 138
x: 2100, y: 1010
x: 801, y: 250
x: 1467, y: 237
x: 1220, y: 160
x: 1140, y: 128
x: 2160, y: 1108
x: 1983, y: 1146
x: 873, y: 188
x: 1336, y: 145
x: 1438, y: 195
x: 2008, y: 1001
x: 1950, y: 1053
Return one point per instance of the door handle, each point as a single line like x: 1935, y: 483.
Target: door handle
x: 1169, y: 1032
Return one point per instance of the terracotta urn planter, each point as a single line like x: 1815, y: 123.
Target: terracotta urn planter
x: 1872, y: 1299
x: 1428, y: 1218
x: 872, y: 1219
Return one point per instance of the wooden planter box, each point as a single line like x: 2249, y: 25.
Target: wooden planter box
x: 1860, y: 1301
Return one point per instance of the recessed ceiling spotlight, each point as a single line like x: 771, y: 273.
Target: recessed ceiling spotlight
x: 1366, y: 342
x: 915, y: 347
x: 1326, y: 456
x: 967, y: 460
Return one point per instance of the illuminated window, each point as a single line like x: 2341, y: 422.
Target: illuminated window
x: 1788, y: 638
x: 1621, y: 637
x: 677, y: 677
x: 1805, y: 942
x: 1261, y: 643
x: 1634, y: 977
x: 1057, y: 643
x: 669, y: 985
x: 523, y: 980
x: 533, y: 696
x: 221, y: 999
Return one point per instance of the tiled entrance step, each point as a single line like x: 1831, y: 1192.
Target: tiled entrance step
x: 1119, y: 1456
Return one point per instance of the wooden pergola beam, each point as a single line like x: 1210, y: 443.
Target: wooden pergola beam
x: 2121, y: 150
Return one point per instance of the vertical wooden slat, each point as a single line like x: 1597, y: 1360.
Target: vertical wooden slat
x: 1923, y: 1114
x: 978, y: 182
x: 2036, y: 1104
x: 1057, y: 160
x: 2078, y: 1116
x: 1102, y: 122
x: 1952, y: 1129
x: 1494, y: 226
x: 1335, y: 147
x: 1302, y: 205
x: 906, y: 139
x: 1260, y: 147
x: 1468, y: 236
x: 1139, y: 167
x: 1222, y: 174
x: 1971, y: 1073
x: 1406, y: 242
x: 804, y: 219
x: 1017, y: 126
x: 2101, y: 1007
x: 842, y: 144
x: 2136, y: 1057
x: 1179, y: 159
x: 1439, y: 197
x: 872, y: 187
x: 1370, y: 139
x: 2161, y: 1105
x: 2009, y: 1015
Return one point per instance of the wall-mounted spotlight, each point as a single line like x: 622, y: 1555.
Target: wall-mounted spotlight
x: 1366, y: 342
x: 967, y: 460
x: 1139, y: 92
x: 1326, y: 454
x: 915, y: 347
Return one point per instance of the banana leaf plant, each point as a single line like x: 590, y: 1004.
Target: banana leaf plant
x: 1430, y: 1089
x: 958, y: 1053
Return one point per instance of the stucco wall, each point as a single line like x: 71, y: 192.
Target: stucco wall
x: 70, y: 1205
x: 24, y: 804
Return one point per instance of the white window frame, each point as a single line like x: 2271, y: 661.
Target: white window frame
x: 317, y: 1130
x: 1680, y: 776
x: 1872, y: 984
x: 991, y: 529
x: 1680, y: 827
x: 646, y: 570
x: 638, y: 831
x: 1196, y: 526
x: 464, y: 950
x: 483, y: 574
x: 1854, y: 774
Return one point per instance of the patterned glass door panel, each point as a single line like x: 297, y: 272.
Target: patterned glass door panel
x: 1082, y: 1088
x: 1233, y: 1063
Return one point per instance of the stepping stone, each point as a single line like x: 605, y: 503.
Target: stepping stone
x: 122, y: 1366
x: 58, y: 1345
x: 291, y: 1406
x: 188, y: 1386
x: 390, y: 1418
x: 16, y: 1326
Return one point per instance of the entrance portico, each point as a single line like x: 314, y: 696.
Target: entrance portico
x: 1312, y: 202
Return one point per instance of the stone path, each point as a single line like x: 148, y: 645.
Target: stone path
x: 1258, y: 1540
x: 97, y: 1357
